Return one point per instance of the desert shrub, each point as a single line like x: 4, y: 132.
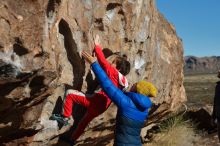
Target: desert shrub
x: 175, y: 132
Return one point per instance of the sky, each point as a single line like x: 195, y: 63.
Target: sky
x: 197, y: 23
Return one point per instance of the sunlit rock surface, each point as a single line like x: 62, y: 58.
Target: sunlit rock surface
x: 40, y: 45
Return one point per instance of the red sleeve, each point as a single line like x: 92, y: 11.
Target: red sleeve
x: 103, y: 62
x: 100, y: 56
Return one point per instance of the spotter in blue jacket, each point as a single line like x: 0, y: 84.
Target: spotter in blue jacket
x: 132, y: 110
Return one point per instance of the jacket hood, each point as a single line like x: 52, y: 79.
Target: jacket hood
x: 142, y: 102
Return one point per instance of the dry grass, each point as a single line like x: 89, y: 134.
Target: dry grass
x: 178, y: 132
x: 175, y: 132
x: 200, y: 88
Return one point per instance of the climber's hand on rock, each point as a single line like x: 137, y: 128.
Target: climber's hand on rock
x: 97, y: 40
x: 88, y: 57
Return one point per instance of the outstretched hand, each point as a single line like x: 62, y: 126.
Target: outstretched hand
x: 97, y: 40
x: 88, y: 57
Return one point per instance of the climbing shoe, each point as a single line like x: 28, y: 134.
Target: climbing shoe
x: 67, y: 140
x: 60, y: 119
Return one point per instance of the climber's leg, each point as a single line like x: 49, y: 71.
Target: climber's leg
x: 88, y: 117
x: 70, y: 97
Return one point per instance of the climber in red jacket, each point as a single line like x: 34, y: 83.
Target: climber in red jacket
x: 99, y: 102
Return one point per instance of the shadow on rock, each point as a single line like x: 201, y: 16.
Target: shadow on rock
x: 99, y: 141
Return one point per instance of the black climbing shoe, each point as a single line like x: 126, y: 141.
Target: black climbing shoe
x: 67, y: 140
x: 60, y: 119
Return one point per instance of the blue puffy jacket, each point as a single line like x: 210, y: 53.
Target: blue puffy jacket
x: 132, y: 110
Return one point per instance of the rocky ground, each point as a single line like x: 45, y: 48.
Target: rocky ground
x: 200, y: 92
x: 208, y: 140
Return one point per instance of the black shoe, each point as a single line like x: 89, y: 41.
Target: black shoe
x: 212, y: 130
x: 61, y: 119
x: 67, y: 140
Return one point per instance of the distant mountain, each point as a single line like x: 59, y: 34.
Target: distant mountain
x: 201, y: 65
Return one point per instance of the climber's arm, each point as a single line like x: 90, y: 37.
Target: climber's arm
x: 115, y: 94
x: 100, y: 56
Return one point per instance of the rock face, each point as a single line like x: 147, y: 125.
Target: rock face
x: 40, y: 49
x: 201, y: 65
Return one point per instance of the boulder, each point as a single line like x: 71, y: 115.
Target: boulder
x: 40, y: 48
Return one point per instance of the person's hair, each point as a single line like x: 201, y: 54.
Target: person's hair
x: 122, y: 65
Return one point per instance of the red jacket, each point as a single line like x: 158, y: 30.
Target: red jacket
x: 114, y: 75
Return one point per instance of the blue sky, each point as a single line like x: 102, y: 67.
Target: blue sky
x: 197, y: 22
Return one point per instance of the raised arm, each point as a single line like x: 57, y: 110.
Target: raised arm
x: 100, y: 56
x: 115, y: 94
